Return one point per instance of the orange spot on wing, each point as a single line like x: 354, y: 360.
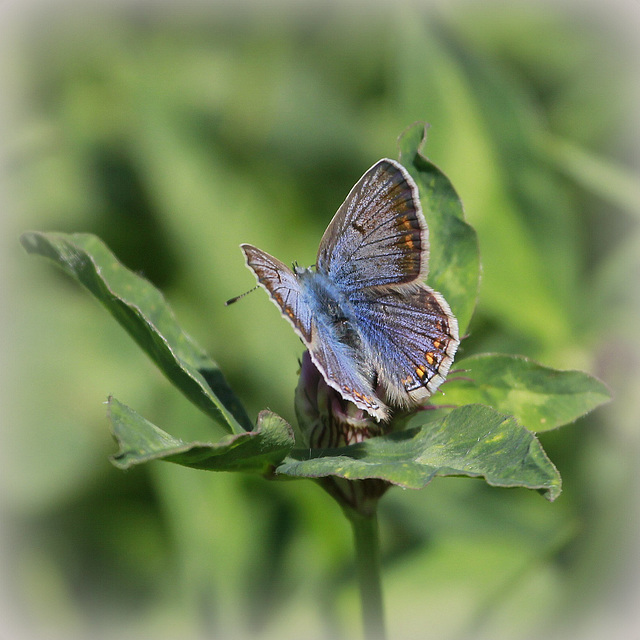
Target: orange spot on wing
x: 404, y: 221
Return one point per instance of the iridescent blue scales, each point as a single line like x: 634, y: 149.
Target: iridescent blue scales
x: 378, y: 334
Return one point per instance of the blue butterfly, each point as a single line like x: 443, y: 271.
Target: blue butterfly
x: 364, y: 313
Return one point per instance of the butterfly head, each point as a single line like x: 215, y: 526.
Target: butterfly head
x: 301, y: 271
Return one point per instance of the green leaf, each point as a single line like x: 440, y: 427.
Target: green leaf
x: 539, y: 397
x: 473, y: 440
x: 454, y: 262
x: 142, y: 310
x: 255, y: 451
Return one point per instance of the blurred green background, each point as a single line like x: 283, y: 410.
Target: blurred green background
x: 176, y: 133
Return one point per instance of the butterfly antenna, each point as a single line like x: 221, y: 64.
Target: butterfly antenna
x: 242, y: 295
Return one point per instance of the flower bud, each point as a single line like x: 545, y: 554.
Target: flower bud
x: 327, y: 421
x: 325, y: 418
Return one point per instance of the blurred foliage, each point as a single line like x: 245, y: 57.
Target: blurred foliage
x: 177, y: 134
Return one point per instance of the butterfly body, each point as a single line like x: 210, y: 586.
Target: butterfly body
x: 329, y: 306
x: 374, y: 329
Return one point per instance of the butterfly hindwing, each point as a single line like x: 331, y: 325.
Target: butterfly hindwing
x: 412, y: 338
x: 345, y: 371
x: 379, y: 235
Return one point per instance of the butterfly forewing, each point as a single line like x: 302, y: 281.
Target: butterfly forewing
x: 379, y: 235
x: 283, y: 288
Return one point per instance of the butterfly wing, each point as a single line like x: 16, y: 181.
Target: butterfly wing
x: 283, y: 288
x: 343, y: 370
x: 340, y: 363
x: 379, y: 235
x: 412, y: 337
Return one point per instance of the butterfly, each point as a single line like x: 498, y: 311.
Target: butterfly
x: 377, y: 333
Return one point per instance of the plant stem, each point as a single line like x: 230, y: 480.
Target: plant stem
x: 365, y: 533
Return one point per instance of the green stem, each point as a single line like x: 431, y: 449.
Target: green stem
x: 365, y: 533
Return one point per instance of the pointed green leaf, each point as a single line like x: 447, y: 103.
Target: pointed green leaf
x: 255, y: 451
x: 473, y: 440
x: 539, y: 397
x: 454, y: 261
x: 142, y: 310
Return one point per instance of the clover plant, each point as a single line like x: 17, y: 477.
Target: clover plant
x: 483, y: 424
